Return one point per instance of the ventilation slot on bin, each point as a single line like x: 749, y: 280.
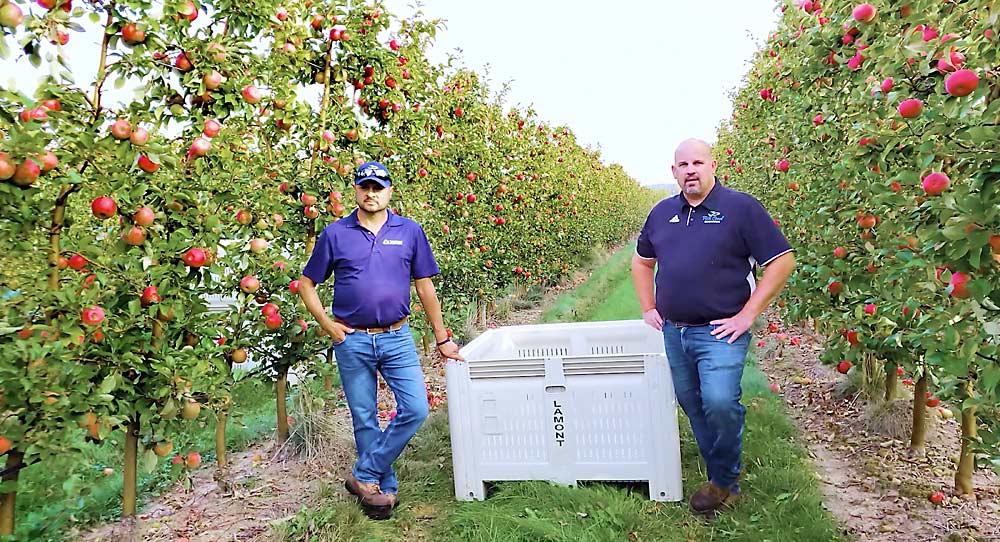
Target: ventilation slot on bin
x: 507, y: 369
x: 604, y: 349
x: 542, y: 352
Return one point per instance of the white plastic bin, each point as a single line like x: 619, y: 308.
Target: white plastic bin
x: 565, y: 403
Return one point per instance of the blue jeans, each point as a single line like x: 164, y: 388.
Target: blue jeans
x: 394, y: 355
x: 706, y: 372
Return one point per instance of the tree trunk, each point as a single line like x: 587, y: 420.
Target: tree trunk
x: 966, y: 463
x: 426, y: 343
x: 280, y: 390
x: 7, y: 500
x: 328, y: 380
x: 891, y: 380
x: 918, y: 430
x: 129, y: 469
x: 220, y: 440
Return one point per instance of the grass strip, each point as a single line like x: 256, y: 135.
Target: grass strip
x: 782, y: 501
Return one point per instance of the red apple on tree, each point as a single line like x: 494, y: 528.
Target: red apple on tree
x: 11, y: 16
x: 835, y: 287
x: 293, y: 287
x: 244, y: 217
x: 212, y: 80
x: 7, y: 167
x: 961, y: 83
x: 935, y: 183
x: 268, y: 309
x: 77, y: 262
x: 272, y: 321
x: 911, y: 108
x: 188, y: 11
x: 249, y: 284
x: 958, y: 285
x: 92, y: 316
x: 150, y: 295
x: 840, y: 252
x: 103, y: 207
x: 258, y: 245
x: 121, y: 130
x: 26, y: 173
x: 135, y: 236
x: 183, y: 62
x: 844, y: 366
x: 139, y: 136
x: 193, y: 460
x: 148, y: 165
x: 195, y: 257
x: 864, y: 13
x: 870, y: 309
x: 199, y: 147
x: 252, y: 94
x: 132, y: 35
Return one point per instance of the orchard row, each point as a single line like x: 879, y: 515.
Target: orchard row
x: 123, y: 218
x: 869, y: 131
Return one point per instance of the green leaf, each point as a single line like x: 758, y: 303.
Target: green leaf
x: 108, y: 384
x: 148, y: 462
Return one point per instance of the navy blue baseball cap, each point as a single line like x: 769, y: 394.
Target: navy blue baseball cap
x: 373, y: 171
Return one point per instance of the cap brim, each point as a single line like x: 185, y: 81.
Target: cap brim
x: 384, y: 183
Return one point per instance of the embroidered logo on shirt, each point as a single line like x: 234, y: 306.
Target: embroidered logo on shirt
x: 674, y: 219
x: 392, y: 241
x: 713, y: 217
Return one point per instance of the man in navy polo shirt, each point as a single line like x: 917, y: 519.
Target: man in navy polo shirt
x: 705, y: 244
x: 373, y: 255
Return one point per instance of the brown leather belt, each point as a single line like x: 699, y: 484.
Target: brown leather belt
x: 374, y: 330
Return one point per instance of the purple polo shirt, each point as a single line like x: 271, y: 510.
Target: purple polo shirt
x: 706, y: 255
x: 371, y: 273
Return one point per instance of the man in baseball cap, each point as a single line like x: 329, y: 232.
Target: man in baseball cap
x: 373, y: 256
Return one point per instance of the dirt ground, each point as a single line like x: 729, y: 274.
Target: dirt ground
x: 871, y: 486
x: 266, y: 485
x: 870, y: 483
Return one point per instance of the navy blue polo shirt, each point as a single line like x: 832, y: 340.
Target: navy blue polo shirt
x: 371, y: 273
x: 706, y: 255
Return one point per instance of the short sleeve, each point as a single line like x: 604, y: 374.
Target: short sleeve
x: 424, y: 264
x: 762, y: 236
x: 644, y: 247
x: 320, y: 264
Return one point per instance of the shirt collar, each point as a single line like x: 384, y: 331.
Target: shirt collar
x: 711, y: 201
x: 352, y: 221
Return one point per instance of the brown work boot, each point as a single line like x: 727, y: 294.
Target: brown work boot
x: 377, y: 505
x: 709, y: 498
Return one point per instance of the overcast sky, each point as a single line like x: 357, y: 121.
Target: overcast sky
x: 632, y: 78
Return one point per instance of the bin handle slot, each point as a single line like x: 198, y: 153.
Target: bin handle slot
x: 555, y: 389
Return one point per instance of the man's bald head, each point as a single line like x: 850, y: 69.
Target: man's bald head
x: 693, y: 145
